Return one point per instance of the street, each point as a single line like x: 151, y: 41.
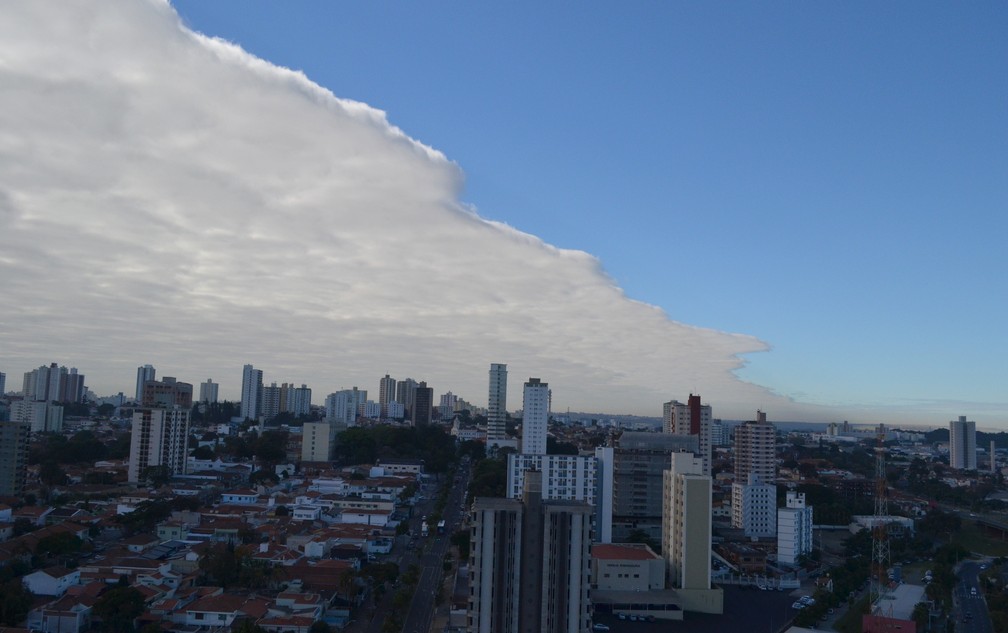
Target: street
x: 971, y: 614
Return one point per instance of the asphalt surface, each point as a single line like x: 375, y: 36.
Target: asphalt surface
x: 421, y: 611
x: 749, y: 610
x: 970, y: 609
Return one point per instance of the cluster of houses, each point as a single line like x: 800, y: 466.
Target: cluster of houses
x: 314, y: 531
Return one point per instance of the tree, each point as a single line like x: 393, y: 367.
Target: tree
x: 203, y: 452
x: 281, y: 511
x: 15, y: 601
x: 156, y: 476
x: 119, y: 608
x: 57, y: 545
x: 320, y: 626
x: 51, y: 474
x: 106, y: 410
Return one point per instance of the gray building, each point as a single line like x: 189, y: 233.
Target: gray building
x: 530, y: 570
x: 13, y: 458
x: 639, y: 462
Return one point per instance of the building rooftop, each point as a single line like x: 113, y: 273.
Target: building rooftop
x: 623, y: 551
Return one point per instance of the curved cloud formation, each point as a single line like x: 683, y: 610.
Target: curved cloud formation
x: 168, y: 198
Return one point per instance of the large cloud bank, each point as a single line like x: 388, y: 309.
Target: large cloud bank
x: 167, y: 198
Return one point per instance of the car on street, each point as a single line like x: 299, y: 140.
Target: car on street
x: 598, y: 626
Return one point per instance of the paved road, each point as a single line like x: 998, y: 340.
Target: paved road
x: 421, y: 612
x: 971, y: 608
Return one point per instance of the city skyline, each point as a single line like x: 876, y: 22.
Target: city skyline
x: 199, y: 208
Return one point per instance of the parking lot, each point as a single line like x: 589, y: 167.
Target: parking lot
x: 745, y: 610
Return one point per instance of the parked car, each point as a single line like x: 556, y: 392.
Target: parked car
x: 598, y: 626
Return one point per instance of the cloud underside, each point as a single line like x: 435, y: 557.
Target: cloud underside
x: 168, y: 198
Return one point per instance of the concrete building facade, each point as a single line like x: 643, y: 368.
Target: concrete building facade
x: 530, y: 568
x: 962, y: 444
x: 794, y: 529
x: 251, y: 392
x: 159, y: 438
x: 535, y: 417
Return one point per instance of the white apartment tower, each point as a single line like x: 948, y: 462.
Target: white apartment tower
x: 497, y: 405
x: 251, y: 392
x: 691, y: 418
x: 686, y: 523
x: 208, y: 391
x: 962, y: 444
x: 794, y: 529
x: 754, y: 507
x: 145, y: 373
x: 535, y: 417
x: 158, y: 439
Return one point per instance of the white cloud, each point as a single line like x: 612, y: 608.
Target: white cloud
x: 167, y: 198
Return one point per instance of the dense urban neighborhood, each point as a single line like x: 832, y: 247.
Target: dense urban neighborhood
x: 168, y: 513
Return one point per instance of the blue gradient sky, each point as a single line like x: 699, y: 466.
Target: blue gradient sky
x: 830, y: 178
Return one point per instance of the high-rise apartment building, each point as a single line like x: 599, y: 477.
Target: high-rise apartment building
x: 13, y: 458
x: 794, y: 529
x: 344, y: 406
x: 686, y: 522
x: 3, y: 384
x: 423, y: 405
x: 754, y: 495
x: 38, y: 415
x: 535, y: 417
x: 159, y: 438
x: 318, y: 439
x: 497, y: 406
x: 251, y: 392
x: 754, y: 507
x: 686, y: 534
x: 446, y: 406
x: 208, y: 391
x: 962, y: 444
x: 756, y: 450
x: 144, y: 374
x: 386, y: 393
x: 690, y: 418
x: 405, y: 393
x: 54, y: 384
x: 166, y: 393
x: 530, y: 569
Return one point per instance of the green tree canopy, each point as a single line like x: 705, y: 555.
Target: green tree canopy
x: 119, y: 608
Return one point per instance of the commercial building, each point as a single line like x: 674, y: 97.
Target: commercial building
x: 251, y: 392
x: 13, y: 458
x: 962, y: 444
x: 158, y: 438
x: 686, y: 534
x: 794, y: 529
x: 530, y: 564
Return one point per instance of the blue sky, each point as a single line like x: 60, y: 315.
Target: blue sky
x: 830, y: 178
